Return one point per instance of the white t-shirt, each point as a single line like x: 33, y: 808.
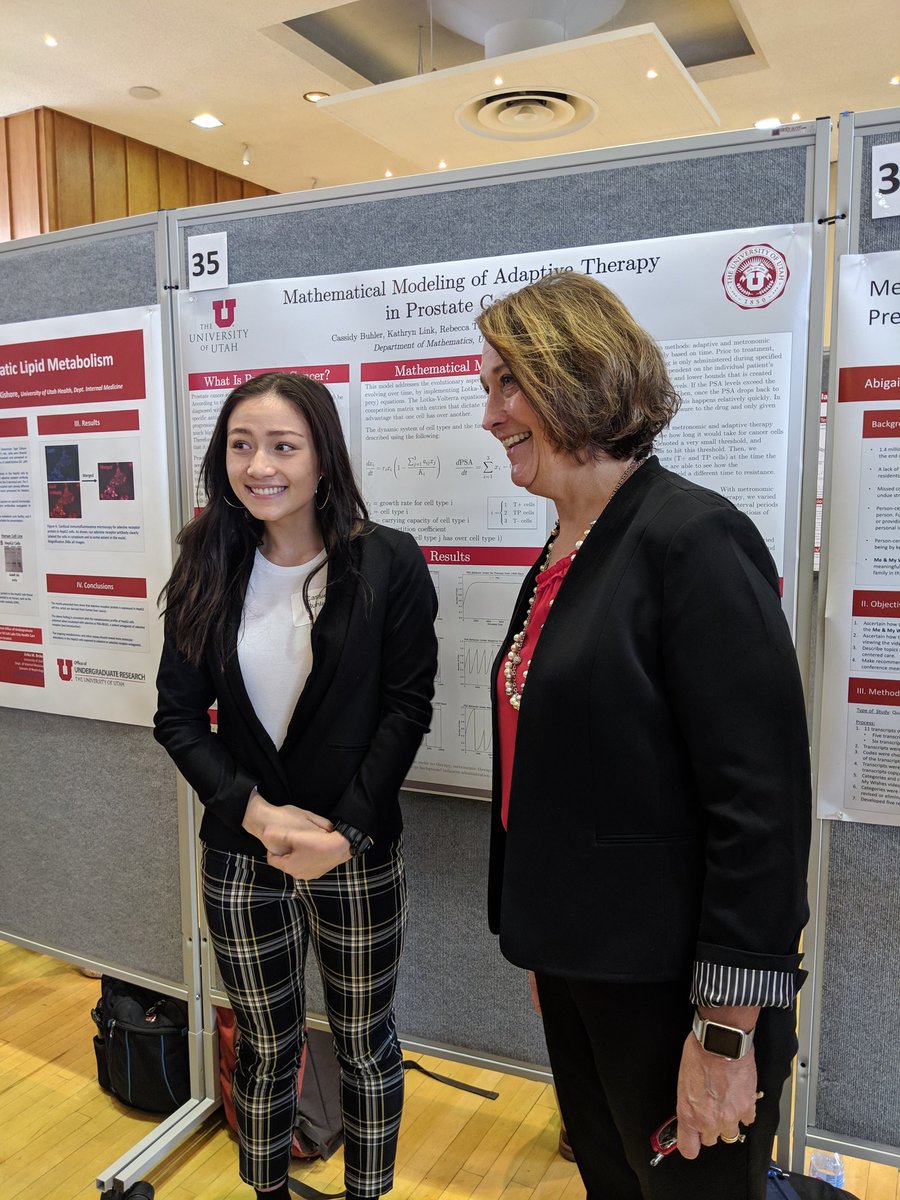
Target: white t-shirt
x: 275, y: 640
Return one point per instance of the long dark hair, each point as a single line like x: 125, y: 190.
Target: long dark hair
x: 218, y: 545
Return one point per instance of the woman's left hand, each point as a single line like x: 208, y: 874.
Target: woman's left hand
x: 715, y: 1097
x: 311, y: 853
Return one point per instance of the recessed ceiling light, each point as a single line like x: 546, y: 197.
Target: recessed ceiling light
x: 206, y: 121
x: 442, y: 166
x: 389, y: 174
x: 768, y: 123
x: 50, y: 40
x: 315, y: 97
x: 651, y: 74
x: 498, y: 81
x: 795, y: 116
x: 144, y: 93
x: 895, y: 81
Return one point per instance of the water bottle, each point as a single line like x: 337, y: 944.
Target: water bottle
x: 824, y: 1164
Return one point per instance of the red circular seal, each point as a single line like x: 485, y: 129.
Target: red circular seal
x: 755, y: 276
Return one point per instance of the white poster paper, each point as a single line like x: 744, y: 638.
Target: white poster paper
x: 84, y: 514
x: 399, y: 351
x: 859, y: 761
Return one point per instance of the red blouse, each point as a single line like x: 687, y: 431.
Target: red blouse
x: 548, y: 585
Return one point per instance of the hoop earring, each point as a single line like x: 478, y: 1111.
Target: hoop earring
x: 230, y: 505
x: 324, y: 504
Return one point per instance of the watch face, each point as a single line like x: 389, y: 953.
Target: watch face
x: 719, y: 1040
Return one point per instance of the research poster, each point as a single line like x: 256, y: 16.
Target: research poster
x: 399, y: 350
x: 859, y: 768
x: 84, y: 514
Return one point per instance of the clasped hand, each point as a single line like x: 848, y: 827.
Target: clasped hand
x: 300, y: 843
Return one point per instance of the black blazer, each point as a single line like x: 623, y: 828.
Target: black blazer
x: 660, y: 803
x: 358, y: 722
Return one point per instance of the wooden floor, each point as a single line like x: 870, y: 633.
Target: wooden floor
x: 57, y: 1129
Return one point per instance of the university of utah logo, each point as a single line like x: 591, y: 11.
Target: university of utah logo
x: 755, y: 276
x: 64, y: 666
x: 223, y: 311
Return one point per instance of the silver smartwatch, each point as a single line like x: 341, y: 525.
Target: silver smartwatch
x: 724, y: 1040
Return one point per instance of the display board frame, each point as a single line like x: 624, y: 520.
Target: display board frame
x: 281, y: 220
x: 848, y: 1031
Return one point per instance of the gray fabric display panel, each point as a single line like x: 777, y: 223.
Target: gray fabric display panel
x: 456, y: 990
x: 858, y: 1083
x: 763, y: 186
x: 88, y: 835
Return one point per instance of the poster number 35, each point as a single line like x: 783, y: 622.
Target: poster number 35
x: 886, y: 181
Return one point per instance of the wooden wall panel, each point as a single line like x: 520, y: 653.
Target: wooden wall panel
x: 72, y: 161
x: 173, y: 180
x: 57, y: 171
x: 227, y: 187
x: 24, y: 186
x: 142, y: 171
x: 5, y: 232
x: 202, y: 184
x: 110, y: 183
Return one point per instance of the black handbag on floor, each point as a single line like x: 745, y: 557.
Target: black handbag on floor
x: 141, y: 1046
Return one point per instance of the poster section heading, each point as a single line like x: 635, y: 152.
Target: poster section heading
x: 74, y: 370
x: 730, y: 312
x: 859, y: 771
x: 85, y: 544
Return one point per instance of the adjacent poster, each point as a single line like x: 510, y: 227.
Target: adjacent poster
x: 399, y: 350
x: 84, y: 514
x: 859, y: 767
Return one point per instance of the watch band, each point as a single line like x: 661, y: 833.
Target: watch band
x: 359, y: 842
x: 725, y: 1040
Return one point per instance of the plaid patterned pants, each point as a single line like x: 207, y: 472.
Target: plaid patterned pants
x: 261, y: 922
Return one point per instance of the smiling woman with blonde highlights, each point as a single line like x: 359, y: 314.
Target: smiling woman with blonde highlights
x: 312, y: 628
x: 651, y: 791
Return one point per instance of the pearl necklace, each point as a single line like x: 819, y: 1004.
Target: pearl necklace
x: 514, y: 654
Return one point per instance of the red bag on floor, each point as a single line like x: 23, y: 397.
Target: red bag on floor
x: 229, y: 1036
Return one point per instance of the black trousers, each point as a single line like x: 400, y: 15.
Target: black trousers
x: 615, y: 1050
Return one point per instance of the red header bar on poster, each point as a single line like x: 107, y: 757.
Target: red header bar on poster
x: 884, y: 424
x: 13, y: 427
x: 410, y: 370
x: 17, y: 633
x: 876, y: 604
x: 97, y: 367
x: 480, y: 556
x: 216, y: 381
x: 120, y: 421
x: 97, y: 585
x: 874, y: 691
x: 868, y: 383
x: 24, y: 667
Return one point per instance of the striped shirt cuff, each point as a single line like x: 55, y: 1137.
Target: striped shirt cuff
x: 714, y: 985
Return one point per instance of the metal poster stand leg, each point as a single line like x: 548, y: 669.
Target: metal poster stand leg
x: 818, y: 210
x: 150, y: 1150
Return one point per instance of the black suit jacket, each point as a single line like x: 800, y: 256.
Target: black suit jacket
x: 358, y: 722
x: 660, y: 801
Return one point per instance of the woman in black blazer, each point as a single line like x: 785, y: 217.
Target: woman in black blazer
x: 651, y: 813
x: 313, y: 631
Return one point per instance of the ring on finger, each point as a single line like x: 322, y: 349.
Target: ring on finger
x: 730, y: 1141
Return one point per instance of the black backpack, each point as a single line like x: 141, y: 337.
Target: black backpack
x: 141, y: 1046
x: 784, y: 1186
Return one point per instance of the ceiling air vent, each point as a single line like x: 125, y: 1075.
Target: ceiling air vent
x: 525, y: 116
